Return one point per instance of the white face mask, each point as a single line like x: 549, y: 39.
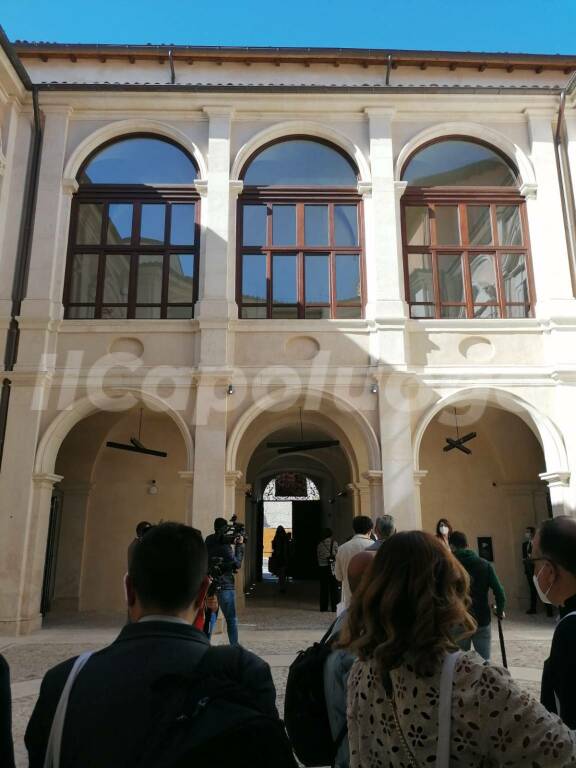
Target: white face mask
x: 444, y: 530
x: 541, y: 594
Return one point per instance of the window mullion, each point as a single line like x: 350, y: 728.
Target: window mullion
x: 436, y: 282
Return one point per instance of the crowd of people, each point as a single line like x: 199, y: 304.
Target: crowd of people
x: 401, y: 687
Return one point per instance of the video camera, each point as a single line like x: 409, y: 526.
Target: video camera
x: 233, y: 532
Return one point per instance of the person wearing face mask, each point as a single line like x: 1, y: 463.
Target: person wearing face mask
x: 554, y: 560
x: 444, y: 531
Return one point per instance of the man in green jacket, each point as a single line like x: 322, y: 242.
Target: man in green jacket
x: 483, y: 578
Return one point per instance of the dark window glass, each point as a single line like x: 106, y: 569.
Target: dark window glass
x: 317, y: 313
x: 114, y: 313
x: 182, y: 225
x: 453, y: 313
x: 253, y: 313
x: 119, y: 223
x: 284, y: 224
x: 181, y: 279
x: 81, y: 313
x: 147, y: 313
x: 317, y: 277
x: 116, y: 278
x: 149, y: 290
x: 316, y: 224
x: 254, y: 224
x: 254, y: 278
x: 447, y: 225
x: 153, y: 224
x: 84, y: 278
x: 458, y: 163
x: 348, y: 279
x: 300, y: 162
x: 139, y: 160
x: 345, y: 225
x: 343, y: 313
x: 89, y: 226
x: 284, y: 283
x: 479, y: 225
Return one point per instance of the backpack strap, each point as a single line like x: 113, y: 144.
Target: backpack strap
x: 445, y: 710
x: 54, y: 747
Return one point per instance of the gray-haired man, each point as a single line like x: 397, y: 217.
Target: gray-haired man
x: 384, y: 527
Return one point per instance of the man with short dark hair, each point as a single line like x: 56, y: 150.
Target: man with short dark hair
x: 362, y: 526
x: 529, y: 567
x: 554, y: 560
x: 482, y: 579
x: 229, y: 556
x: 117, y: 698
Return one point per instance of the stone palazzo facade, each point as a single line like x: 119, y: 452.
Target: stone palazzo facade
x: 357, y: 253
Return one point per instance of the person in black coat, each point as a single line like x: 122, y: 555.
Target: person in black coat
x: 112, y: 702
x: 6, y: 745
x: 554, y: 559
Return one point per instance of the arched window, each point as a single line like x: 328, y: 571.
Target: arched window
x: 300, y: 241
x: 133, y: 247
x: 465, y: 233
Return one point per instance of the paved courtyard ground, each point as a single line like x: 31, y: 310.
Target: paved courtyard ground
x: 274, y: 626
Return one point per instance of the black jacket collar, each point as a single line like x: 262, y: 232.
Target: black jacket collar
x: 144, y: 629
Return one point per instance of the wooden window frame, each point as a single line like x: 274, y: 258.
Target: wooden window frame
x: 136, y: 195
x: 299, y: 197
x: 430, y: 197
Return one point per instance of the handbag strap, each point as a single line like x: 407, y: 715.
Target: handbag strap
x: 445, y: 710
x: 53, y: 749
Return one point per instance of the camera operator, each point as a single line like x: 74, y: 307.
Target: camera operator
x: 228, y: 551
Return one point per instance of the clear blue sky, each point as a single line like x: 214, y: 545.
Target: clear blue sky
x: 526, y: 26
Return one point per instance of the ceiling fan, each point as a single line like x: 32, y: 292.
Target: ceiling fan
x: 135, y: 445
x: 292, y: 446
x: 458, y: 443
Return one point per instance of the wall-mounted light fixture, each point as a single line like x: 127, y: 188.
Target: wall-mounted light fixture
x: 152, y: 488
x: 230, y: 389
x: 374, y: 389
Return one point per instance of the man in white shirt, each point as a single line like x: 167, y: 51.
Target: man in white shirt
x: 361, y: 540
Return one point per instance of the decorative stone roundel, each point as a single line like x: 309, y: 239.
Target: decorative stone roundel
x: 477, y: 349
x: 127, y: 346
x: 301, y: 348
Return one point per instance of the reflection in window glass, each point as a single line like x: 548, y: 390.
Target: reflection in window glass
x: 152, y: 225
x: 348, y: 312
x: 140, y: 160
x: 116, y: 278
x: 450, y: 275
x: 345, y: 225
x: 179, y: 313
x: 514, y: 277
x: 89, y: 228
x: 457, y: 163
x: 182, y: 224
x: 300, y: 162
x: 452, y: 312
x: 317, y: 313
x: 517, y: 310
x: 119, y: 223
x: 84, y: 277
x: 420, y: 277
x: 479, y: 225
x: 447, y: 225
x: 487, y: 312
x: 421, y: 311
x: 81, y: 313
x: 149, y: 288
x: 254, y: 224
x: 483, y: 277
x: 347, y: 279
x: 282, y: 312
x: 417, y: 225
x: 317, y: 278
x: 253, y: 313
x: 114, y: 313
x: 181, y: 278
x: 147, y: 313
x: 284, y: 280
x: 254, y: 278
x: 283, y: 224
x: 509, y: 227
x: 316, y: 224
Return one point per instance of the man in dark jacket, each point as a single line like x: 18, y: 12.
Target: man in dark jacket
x: 483, y: 578
x: 6, y: 745
x: 115, y: 697
x: 554, y: 559
x: 228, y: 555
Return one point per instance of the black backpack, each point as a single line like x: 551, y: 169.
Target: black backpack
x: 305, y: 710
x: 208, y: 720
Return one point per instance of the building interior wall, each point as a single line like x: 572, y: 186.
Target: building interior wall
x: 494, y: 492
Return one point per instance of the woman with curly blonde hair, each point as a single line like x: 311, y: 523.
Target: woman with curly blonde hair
x: 413, y: 698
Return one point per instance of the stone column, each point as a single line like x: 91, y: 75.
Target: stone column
x: 374, y: 479
x: 559, y: 486
x: 187, y: 480
x: 419, y: 476
x: 25, y: 509
x: 75, y: 500
x: 554, y: 297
